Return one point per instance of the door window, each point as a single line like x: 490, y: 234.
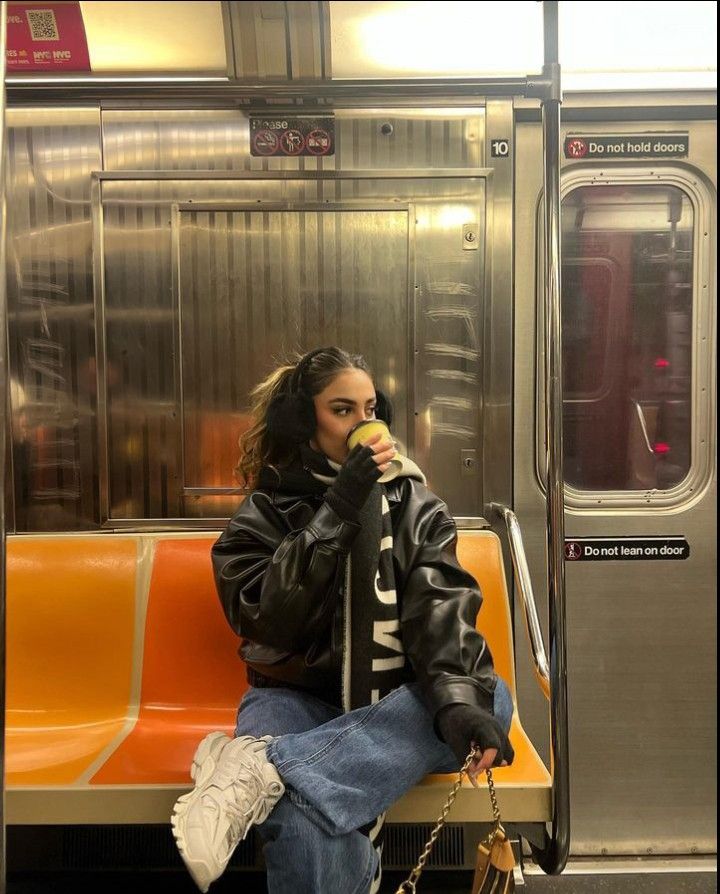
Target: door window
x: 627, y: 311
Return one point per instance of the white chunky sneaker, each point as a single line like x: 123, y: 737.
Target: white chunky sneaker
x: 235, y: 787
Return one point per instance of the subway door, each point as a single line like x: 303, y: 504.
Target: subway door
x: 638, y: 429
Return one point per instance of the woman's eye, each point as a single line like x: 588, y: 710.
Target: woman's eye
x: 342, y: 411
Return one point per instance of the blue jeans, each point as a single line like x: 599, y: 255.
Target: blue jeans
x: 341, y: 771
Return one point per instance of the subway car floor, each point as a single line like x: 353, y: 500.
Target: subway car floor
x: 437, y: 882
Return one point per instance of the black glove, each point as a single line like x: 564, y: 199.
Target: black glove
x: 354, y: 482
x: 461, y: 725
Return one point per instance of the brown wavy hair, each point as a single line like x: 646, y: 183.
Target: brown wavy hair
x: 257, y: 447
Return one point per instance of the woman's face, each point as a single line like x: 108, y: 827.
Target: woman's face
x: 347, y: 400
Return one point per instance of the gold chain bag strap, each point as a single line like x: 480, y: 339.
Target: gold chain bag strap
x: 495, y: 859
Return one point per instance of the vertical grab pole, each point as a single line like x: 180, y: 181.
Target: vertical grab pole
x: 554, y: 856
x: 3, y: 423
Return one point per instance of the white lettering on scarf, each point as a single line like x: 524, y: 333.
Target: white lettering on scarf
x: 386, y: 633
x: 383, y: 635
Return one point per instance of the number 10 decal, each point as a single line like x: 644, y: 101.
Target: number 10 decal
x: 499, y: 148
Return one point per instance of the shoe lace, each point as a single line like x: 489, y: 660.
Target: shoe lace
x: 246, y: 787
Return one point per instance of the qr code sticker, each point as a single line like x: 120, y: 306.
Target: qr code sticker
x: 42, y: 24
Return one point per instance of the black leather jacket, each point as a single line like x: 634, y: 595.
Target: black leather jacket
x: 279, y: 568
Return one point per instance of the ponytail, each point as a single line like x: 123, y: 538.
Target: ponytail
x: 256, y: 448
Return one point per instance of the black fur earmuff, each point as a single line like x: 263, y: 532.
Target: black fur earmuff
x: 383, y: 407
x: 291, y: 416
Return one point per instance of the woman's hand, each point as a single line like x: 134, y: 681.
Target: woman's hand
x: 362, y: 468
x: 465, y: 727
x: 383, y: 451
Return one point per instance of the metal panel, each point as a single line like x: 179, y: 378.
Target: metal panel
x: 641, y: 635
x: 279, y: 41
x: 51, y: 154
x: 219, y: 140
x: 139, y: 317
x: 139, y: 435
x: 498, y: 309
x: 448, y: 346
x: 286, y: 254
x: 282, y: 281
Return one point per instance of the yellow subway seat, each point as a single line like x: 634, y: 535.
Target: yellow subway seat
x: 70, y: 630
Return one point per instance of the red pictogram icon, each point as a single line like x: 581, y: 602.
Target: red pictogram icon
x: 576, y: 148
x: 292, y: 142
x: 573, y: 551
x: 318, y: 142
x: 265, y: 142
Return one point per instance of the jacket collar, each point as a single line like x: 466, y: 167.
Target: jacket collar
x: 311, y: 473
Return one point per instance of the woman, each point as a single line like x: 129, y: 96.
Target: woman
x: 359, y: 637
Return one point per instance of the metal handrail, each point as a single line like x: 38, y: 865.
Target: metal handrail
x: 350, y: 92
x: 527, y: 597
x: 552, y: 857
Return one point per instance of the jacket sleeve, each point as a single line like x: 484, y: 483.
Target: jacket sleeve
x: 440, y: 602
x: 278, y: 586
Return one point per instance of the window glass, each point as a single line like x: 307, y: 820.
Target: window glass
x: 627, y: 287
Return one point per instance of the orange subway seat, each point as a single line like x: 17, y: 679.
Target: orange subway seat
x: 525, y: 785
x: 480, y: 554
x: 71, y: 695
x: 192, y: 678
x: 70, y: 627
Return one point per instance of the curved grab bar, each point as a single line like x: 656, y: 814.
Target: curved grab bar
x: 527, y: 597
x: 643, y: 426
x: 552, y: 677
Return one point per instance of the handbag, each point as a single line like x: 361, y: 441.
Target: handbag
x: 495, y: 859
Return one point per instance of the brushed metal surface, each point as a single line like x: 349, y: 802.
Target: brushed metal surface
x: 294, y: 265
x: 641, y: 635
x: 277, y: 40
x: 51, y: 154
x: 498, y: 311
x: 257, y: 284
x: 219, y: 139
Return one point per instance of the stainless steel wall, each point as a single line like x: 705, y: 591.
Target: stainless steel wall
x: 51, y: 154
x: 216, y: 140
x: 261, y: 284
x: 130, y: 431
x: 372, y: 260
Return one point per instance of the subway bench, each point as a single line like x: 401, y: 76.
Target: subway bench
x: 119, y: 661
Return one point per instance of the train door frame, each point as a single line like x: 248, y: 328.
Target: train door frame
x: 600, y: 832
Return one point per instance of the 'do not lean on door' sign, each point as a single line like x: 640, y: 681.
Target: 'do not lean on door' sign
x: 608, y: 549
x: 273, y: 136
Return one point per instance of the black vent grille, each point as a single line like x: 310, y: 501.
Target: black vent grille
x: 405, y: 842
x: 131, y: 847
x: 151, y: 847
